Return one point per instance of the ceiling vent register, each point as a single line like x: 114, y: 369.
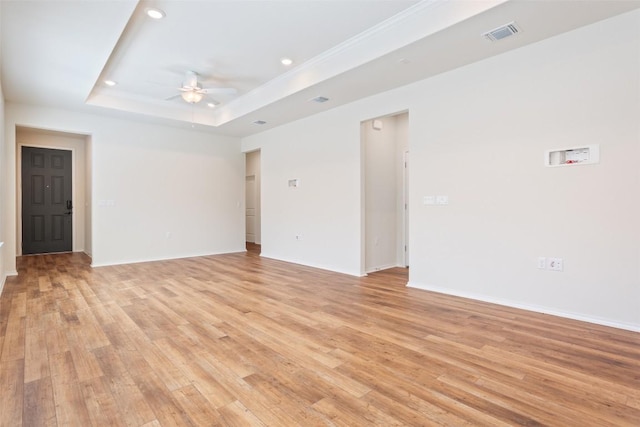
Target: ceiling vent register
x: 502, y: 32
x: 319, y: 99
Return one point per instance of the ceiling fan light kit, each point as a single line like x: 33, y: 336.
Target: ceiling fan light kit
x: 192, y: 97
x: 192, y: 92
x: 190, y: 88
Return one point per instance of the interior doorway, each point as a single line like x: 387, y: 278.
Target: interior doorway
x: 252, y: 198
x: 385, y: 203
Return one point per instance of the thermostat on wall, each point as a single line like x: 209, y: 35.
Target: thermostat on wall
x: 294, y: 183
x: 585, y: 155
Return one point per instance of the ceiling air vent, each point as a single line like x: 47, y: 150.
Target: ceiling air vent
x: 319, y: 99
x: 502, y: 32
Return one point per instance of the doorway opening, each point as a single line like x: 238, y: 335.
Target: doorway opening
x: 252, y: 201
x: 385, y: 164
x: 53, y: 192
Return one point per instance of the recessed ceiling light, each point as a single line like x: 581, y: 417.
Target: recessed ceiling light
x: 259, y: 122
x: 286, y: 61
x: 110, y: 83
x: 210, y: 104
x: 154, y: 13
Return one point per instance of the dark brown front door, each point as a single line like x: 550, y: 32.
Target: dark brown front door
x: 46, y: 200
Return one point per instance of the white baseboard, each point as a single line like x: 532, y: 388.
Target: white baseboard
x: 4, y: 278
x: 381, y: 268
x: 138, y: 261
x: 530, y: 307
x: 318, y: 266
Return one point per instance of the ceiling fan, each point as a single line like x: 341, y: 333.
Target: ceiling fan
x: 192, y: 92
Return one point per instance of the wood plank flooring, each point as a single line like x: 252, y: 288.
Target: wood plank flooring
x: 239, y: 340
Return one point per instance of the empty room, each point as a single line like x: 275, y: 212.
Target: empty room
x: 320, y: 213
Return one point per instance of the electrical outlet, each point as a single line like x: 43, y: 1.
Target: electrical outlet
x: 555, y: 264
x: 542, y: 263
x: 442, y: 200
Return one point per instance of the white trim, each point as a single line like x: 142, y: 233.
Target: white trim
x: 313, y: 265
x: 538, y: 309
x: 405, y: 204
x: 139, y: 261
x: 6, y: 273
x: 385, y: 267
x: 3, y: 276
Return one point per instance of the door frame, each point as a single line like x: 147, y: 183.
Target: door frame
x: 257, y: 173
x: 405, y: 210
x: 403, y: 179
x: 255, y: 209
x: 19, y: 146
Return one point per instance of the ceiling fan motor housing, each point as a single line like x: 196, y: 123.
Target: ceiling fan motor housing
x: 191, y: 81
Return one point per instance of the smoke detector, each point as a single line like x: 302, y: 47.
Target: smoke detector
x: 502, y: 32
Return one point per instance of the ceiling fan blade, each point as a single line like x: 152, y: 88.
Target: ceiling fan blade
x: 211, y: 100
x: 219, y: 90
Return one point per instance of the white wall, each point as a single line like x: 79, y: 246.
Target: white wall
x: 323, y: 152
x: 158, y: 192
x: 483, y: 135
x: 478, y: 134
x: 75, y: 143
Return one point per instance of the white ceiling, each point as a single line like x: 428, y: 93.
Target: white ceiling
x: 57, y: 53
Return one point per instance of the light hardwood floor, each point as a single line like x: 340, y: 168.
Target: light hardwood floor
x: 236, y: 340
